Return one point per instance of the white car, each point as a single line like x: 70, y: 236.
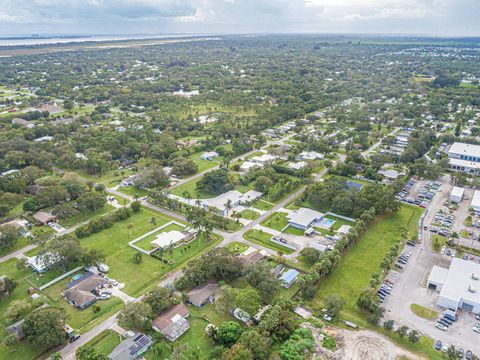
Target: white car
x: 104, y: 296
x: 102, y: 267
x: 476, y: 328
x: 441, y: 327
x: 327, y: 317
x: 445, y: 347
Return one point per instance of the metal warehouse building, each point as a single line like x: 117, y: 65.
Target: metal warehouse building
x: 458, y: 286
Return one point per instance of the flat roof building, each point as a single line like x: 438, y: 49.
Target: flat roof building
x: 303, y: 218
x: 289, y: 277
x: 458, y: 286
x: 456, y: 195
x: 464, y: 157
x: 475, y: 204
x: 170, y: 237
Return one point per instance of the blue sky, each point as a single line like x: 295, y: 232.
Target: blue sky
x: 429, y: 17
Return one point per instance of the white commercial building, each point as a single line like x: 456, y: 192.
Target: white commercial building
x: 458, y: 286
x: 456, y: 195
x: 475, y: 204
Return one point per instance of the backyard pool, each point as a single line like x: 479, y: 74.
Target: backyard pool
x: 325, y: 223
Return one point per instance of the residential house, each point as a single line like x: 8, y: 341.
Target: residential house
x: 264, y: 159
x: 44, y: 138
x: 304, y: 218
x: 209, y: 155
x: 23, y: 122
x: 173, y: 323
x: 309, y: 156
x: 289, y: 277
x: 43, y: 218
x: 297, y: 165
x: 173, y: 237
x: 252, y: 257
x: 82, y: 292
x: 43, y: 262
x: 131, y: 348
x: 202, y: 294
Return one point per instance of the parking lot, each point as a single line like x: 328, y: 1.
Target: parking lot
x: 410, y: 284
x: 418, y: 192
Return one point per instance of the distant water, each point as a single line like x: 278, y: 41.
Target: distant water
x: 45, y: 40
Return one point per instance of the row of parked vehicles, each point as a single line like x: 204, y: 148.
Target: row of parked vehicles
x: 447, y: 319
x: 425, y: 195
x: 385, y: 289
x: 403, y: 259
x: 461, y: 354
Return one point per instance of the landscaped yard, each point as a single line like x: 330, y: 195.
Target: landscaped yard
x: 109, y: 179
x: 236, y: 247
x: 276, y: 221
x: 113, y: 243
x: 133, y: 191
x: 190, y: 187
x: 264, y: 238
x: 104, y: 342
x: 249, y: 214
x: 146, y: 242
x: 204, y: 164
x: 423, y: 312
x: 263, y: 205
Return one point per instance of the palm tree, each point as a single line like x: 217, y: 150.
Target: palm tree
x: 186, y: 194
x: 170, y: 252
x: 153, y: 221
x: 236, y: 215
x: 129, y: 227
x: 228, y: 206
x: 198, y: 203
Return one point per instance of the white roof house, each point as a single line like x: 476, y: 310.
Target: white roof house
x: 456, y: 195
x: 166, y: 238
x: 310, y: 155
x: 303, y: 218
x: 209, y: 155
x: 458, y: 285
x: 41, y: 263
x: 475, y: 204
x: 297, y: 165
x: 247, y: 165
x: 263, y: 159
x: 44, y: 138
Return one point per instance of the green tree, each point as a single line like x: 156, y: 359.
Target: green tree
x: 388, y: 325
x: 402, y: 331
x: 334, y: 304
x: 228, y: 333
x: 135, y: 315
x: 44, y: 327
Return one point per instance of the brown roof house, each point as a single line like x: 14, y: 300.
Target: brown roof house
x: 251, y: 258
x: 173, y: 323
x: 202, y: 294
x: 43, y: 218
x: 82, y: 292
x: 23, y: 122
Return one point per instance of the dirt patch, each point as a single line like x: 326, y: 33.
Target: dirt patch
x: 368, y: 345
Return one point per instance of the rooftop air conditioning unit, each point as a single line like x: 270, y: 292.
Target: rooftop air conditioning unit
x: 471, y: 289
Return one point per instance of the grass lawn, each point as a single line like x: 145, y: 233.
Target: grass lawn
x: 355, y: 268
x: 19, y: 244
x: 204, y: 164
x: 113, y: 243
x: 423, y: 312
x: 105, y: 342
x: 133, y: 191
x: 236, y: 247
x: 438, y: 241
x: 191, y: 188
x: 86, y: 216
x: 145, y: 243
x: 249, y: 214
x: 263, y: 205
x: 276, y: 221
x: 338, y: 222
x: 294, y: 231
x: 109, y: 179
x: 263, y: 238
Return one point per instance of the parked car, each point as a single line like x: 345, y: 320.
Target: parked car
x: 327, y: 317
x: 438, y: 345
x: 74, y: 338
x: 469, y: 355
x: 441, y: 326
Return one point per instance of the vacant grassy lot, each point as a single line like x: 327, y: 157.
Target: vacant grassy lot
x: 263, y: 205
x: 263, y: 238
x: 190, y: 187
x: 86, y: 216
x: 104, y: 342
x: 204, y: 164
x: 109, y: 179
x: 236, y: 247
x: 355, y: 268
x: 249, y: 214
x: 133, y: 191
x: 276, y: 221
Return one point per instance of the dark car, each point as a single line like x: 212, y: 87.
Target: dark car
x: 438, y: 345
x: 74, y: 338
x: 411, y: 243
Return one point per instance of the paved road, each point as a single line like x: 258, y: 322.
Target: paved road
x: 377, y: 144
x: 410, y: 288
x: 19, y: 254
